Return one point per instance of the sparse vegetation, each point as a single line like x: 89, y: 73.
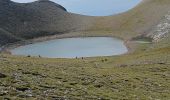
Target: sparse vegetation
x: 143, y: 74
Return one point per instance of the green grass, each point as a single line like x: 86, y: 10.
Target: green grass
x: 141, y: 75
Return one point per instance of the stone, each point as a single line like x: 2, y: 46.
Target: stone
x: 2, y: 75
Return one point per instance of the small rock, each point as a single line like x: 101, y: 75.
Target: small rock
x: 7, y: 98
x: 73, y: 83
x: 2, y: 93
x: 2, y: 75
x: 22, y: 88
x: 123, y: 65
x: 29, y: 95
x: 98, y: 85
x: 161, y: 63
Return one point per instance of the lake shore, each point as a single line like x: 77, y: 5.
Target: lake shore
x: 7, y: 49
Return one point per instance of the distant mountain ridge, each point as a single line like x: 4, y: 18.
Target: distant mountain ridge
x: 35, y: 19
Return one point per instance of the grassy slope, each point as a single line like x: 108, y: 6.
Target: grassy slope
x: 143, y: 74
x: 134, y: 22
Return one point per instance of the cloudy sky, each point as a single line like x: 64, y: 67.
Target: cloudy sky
x: 94, y: 7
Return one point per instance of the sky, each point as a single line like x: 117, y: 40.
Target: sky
x: 94, y: 7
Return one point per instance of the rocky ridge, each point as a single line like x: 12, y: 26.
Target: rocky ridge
x: 161, y: 30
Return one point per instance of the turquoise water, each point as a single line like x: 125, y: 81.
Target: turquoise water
x: 94, y: 7
x: 74, y: 47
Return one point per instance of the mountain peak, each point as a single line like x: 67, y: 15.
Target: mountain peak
x: 51, y: 2
x: 5, y: 1
x: 44, y: 0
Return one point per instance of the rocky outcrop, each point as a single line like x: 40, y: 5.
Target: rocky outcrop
x: 162, y: 29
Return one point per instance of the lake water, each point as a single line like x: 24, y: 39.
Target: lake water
x: 74, y: 47
x: 94, y: 7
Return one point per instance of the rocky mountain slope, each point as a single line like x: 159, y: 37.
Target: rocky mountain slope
x: 39, y: 18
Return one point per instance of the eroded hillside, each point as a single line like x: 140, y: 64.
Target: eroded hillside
x: 40, y: 18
